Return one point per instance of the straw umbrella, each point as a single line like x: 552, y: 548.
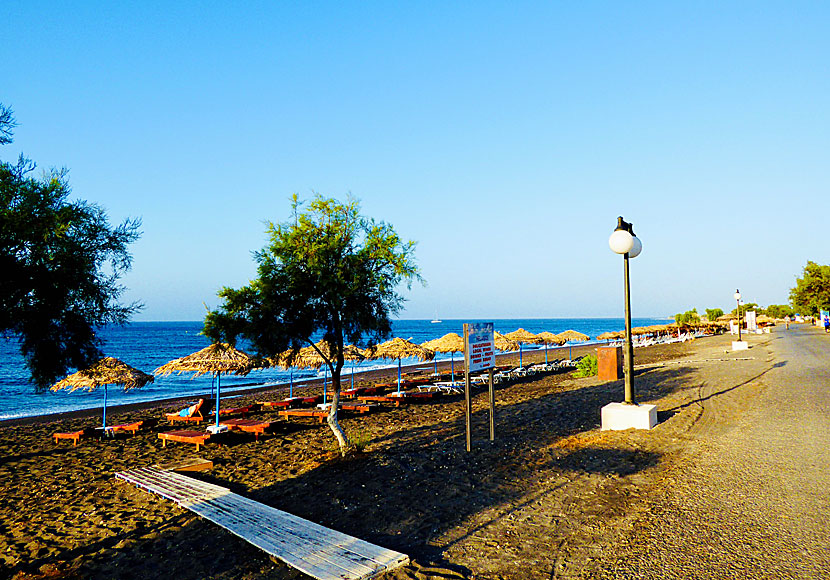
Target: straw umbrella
x: 311, y: 357
x: 504, y: 343
x: 398, y: 348
x: 215, y: 359
x: 522, y: 336
x: 573, y: 336
x: 611, y: 335
x: 550, y: 338
x: 451, y: 343
x: 107, y: 371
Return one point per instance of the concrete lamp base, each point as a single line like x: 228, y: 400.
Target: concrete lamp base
x: 740, y: 345
x: 620, y: 416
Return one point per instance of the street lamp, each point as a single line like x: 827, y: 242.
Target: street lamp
x: 738, y: 310
x: 623, y: 241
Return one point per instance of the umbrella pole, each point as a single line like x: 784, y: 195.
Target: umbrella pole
x: 325, y: 382
x: 105, y: 408
x: 520, y: 355
x: 353, y: 375
x: 546, y: 353
x: 399, y: 375
x: 218, y: 382
x: 570, y: 353
x: 291, y: 384
x: 452, y: 365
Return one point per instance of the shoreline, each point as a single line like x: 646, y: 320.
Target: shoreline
x: 314, y: 384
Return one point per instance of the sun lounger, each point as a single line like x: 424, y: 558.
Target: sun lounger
x: 236, y: 411
x: 248, y: 426
x: 124, y: 427
x: 74, y: 436
x: 357, y: 407
x: 196, y: 437
x: 276, y: 404
x: 320, y: 414
x: 192, y: 414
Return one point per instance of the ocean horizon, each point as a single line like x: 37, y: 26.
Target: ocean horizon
x: 148, y: 345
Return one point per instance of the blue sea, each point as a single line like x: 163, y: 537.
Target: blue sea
x: 148, y: 345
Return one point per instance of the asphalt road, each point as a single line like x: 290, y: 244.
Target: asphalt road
x: 752, y: 499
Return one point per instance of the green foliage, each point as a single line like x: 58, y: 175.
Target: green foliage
x: 812, y: 290
x: 712, y: 314
x: 688, y: 317
x: 587, y: 367
x: 780, y: 311
x: 328, y: 270
x: 60, y: 262
x: 747, y: 307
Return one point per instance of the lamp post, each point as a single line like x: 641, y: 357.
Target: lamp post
x: 623, y: 241
x: 738, y: 310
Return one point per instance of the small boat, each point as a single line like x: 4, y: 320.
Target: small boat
x: 436, y: 321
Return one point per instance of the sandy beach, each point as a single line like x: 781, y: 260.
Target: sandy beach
x: 539, y: 502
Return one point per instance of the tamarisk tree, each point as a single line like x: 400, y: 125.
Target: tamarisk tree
x: 327, y: 271
x: 60, y: 262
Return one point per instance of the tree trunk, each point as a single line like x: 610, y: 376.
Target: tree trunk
x: 342, y: 438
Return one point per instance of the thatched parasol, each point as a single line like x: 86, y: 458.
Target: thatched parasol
x: 310, y: 357
x: 451, y: 343
x: 215, y: 359
x: 611, y: 335
x: 107, y: 371
x: 398, y: 348
x: 550, y: 338
x: 573, y: 336
x: 522, y: 336
x: 504, y: 343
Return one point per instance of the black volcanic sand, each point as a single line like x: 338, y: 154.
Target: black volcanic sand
x: 503, y: 511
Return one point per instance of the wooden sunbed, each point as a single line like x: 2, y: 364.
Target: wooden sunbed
x: 276, y: 404
x: 74, y: 436
x: 196, y: 437
x: 125, y: 427
x: 357, y: 407
x: 236, y: 411
x: 195, y: 416
x: 397, y: 400
x: 320, y: 414
x: 248, y: 426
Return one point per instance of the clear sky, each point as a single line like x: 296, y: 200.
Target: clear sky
x: 504, y: 137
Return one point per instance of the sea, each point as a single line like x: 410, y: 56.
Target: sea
x: 148, y: 345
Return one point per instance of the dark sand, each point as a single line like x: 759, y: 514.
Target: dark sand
x: 529, y: 505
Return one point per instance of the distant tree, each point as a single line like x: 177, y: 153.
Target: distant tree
x: 812, y: 290
x: 713, y: 314
x: 688, y: 317
x: 746, y: 308
x: 327, y: 271
x: 60, y: 262
x: 779, y: 311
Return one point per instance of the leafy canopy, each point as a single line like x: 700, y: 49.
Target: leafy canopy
x: 326, y: 271
x: 812, y: 290
x: 712, y: 314
x: 60, y: 262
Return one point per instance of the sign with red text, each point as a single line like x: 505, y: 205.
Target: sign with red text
x: 481, y: 347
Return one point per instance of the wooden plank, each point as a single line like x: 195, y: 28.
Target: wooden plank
x: 313, y: 549
x: 189, y: 464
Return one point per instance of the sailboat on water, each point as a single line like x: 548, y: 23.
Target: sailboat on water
x: 435, y: 319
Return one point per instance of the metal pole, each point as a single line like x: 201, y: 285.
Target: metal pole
x: 105, y: 409
x: 492, y: 408
x: 467, y: 396
x: 218, y: 384
x: 738, y: 301
x: 629, y: 349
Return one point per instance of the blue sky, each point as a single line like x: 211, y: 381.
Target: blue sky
x: 505, y: 138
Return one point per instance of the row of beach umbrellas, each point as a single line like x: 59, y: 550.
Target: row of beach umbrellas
x: 218, y: 359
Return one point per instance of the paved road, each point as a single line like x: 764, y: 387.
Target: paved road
x: 753, y: 501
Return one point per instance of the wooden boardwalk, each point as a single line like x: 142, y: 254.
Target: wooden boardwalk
x: 310, y: 548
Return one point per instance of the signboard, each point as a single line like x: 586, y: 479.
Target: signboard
x: 481, y: 348
x: 751, y: 321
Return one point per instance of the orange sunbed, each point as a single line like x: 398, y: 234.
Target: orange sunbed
x: 248, y: 426
x: 193, y: 414
x: 196, y: 437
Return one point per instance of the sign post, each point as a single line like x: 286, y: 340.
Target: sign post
x: 479, y: 355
